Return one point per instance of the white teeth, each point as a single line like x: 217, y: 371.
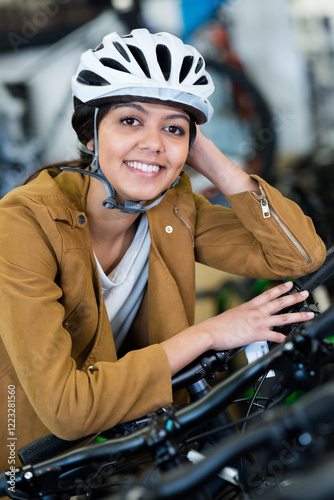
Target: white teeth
x: 143, y: 166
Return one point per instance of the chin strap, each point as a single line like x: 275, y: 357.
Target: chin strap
x: 129, y: 207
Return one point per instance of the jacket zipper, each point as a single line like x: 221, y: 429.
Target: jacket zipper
x: 186, y: 223
x: 267, y: 211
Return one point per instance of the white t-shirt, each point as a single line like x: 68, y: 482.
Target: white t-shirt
x: 123, y: 288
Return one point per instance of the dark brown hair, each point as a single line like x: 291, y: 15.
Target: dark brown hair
x: 83, y: 122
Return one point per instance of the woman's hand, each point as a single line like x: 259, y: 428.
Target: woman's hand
x: 254, y: 320
x: 196, y: 151
x: 239, y: 326
x: 208, y: 160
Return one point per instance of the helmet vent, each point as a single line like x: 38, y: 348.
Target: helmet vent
x: 99, y: 47
x: 89, y: 78
x: 202, y: 81
x: 199, y: 65
x: 111, y: 63
x: 122, y: 51
x: 140, y: 58
x: 186, y: 67
x: 164, y: 60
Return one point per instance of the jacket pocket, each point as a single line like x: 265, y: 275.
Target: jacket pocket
x: 185, y: 222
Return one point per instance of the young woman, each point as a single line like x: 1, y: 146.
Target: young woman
x: 97, y: 256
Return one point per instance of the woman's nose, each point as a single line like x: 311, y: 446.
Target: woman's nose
x: 151, y: 138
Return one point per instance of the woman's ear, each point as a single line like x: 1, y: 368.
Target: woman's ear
x: 90, y: 145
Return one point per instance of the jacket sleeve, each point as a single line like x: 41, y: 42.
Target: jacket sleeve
x: 265, y: 236
x: 70, y: 401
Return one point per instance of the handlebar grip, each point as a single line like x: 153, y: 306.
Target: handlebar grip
x: 45, y: 448
x: 311, y: 281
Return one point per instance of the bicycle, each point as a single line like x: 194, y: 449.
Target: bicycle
x: 172, y: 437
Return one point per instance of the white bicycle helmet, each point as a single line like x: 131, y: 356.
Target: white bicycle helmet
x: 148, y: 67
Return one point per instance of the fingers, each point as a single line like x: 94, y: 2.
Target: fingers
x: 273, y: 293
x: 286, y: 301
x: 257, y: 318
x: 274, y: 300
x: 288, y: 319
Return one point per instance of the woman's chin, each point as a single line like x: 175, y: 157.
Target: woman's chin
x: 145, y: 198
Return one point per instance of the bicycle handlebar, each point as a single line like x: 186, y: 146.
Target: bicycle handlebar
x: 311, y: 281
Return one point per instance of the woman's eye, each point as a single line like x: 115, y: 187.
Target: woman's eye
x: 173, y: 129
x: 128, y: 120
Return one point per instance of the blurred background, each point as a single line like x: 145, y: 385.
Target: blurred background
x: 272, y: 64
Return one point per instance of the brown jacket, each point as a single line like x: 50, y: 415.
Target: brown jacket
x: 57, y: 347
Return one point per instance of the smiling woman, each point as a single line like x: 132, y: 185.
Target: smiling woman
x: 97, y: 255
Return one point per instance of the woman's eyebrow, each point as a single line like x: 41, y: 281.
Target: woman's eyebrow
x: 176, y: 116
x: 131, y: 105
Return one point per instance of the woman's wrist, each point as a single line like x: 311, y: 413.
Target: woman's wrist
x: 184, y: 347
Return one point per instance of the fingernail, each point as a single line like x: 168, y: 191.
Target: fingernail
x: 288, y: 283
x: 310, y: 315
x: 304, y: 293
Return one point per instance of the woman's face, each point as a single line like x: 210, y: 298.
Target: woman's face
x: 142, y: 148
